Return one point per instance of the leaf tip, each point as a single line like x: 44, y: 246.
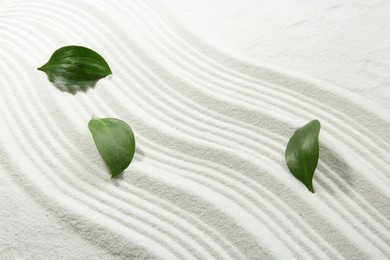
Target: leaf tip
x: 115, y: 175
x: 109, y: 70
x: 91, y: 122
x: 316, y: 122
x: 309, y: 186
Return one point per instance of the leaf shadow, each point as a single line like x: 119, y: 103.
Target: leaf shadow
x: 139, y: 154
x: 336, y: 170
x: 74, y: 89
x: 117, y: 180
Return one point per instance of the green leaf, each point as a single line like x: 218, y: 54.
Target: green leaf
x: 115, y: 142
x: 302, y: 153
x: 74, y: 68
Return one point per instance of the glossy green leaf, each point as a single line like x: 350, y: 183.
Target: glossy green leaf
x: 115, y: 142
x: 302, y: 153
x: 74, y: 68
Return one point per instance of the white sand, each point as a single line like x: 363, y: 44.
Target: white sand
x: 213, y: 91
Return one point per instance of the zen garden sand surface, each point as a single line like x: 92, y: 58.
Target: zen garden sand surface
x: 213, y: 91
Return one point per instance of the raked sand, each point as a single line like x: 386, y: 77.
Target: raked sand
x: 213, y: 90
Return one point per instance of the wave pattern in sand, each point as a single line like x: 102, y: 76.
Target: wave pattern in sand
x: 209, y: 179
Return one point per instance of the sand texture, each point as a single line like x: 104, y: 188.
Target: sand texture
x: 212, y: 90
